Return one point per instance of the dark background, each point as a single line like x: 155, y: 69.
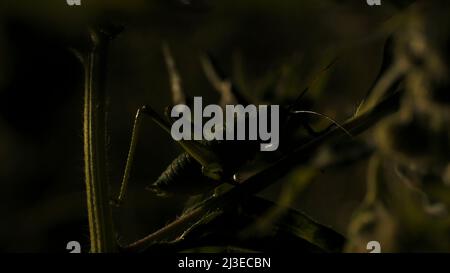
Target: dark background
x: 274, y: 48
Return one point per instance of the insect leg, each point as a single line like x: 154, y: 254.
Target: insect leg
x: 131, y: 151
x: 205, y: 157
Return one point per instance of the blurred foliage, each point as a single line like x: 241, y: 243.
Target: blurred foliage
x: 407, y: 202
x: 271, y: 50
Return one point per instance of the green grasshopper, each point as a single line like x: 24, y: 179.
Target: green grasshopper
x: 204, y: 164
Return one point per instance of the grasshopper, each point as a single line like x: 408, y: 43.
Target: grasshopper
x: 205, y: 164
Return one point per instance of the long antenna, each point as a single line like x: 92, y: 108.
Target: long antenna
x: 323, y: 116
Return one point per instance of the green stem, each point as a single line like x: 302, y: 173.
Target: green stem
x: 101, y: 228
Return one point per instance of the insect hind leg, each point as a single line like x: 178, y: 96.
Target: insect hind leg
x: 147, y: 110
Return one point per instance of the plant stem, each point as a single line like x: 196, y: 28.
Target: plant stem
x: 101, y: 228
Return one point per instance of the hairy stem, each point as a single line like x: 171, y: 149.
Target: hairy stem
x: 101, y: 228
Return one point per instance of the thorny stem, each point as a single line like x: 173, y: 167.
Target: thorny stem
x: 101, y: 231
x: 268, y: 175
